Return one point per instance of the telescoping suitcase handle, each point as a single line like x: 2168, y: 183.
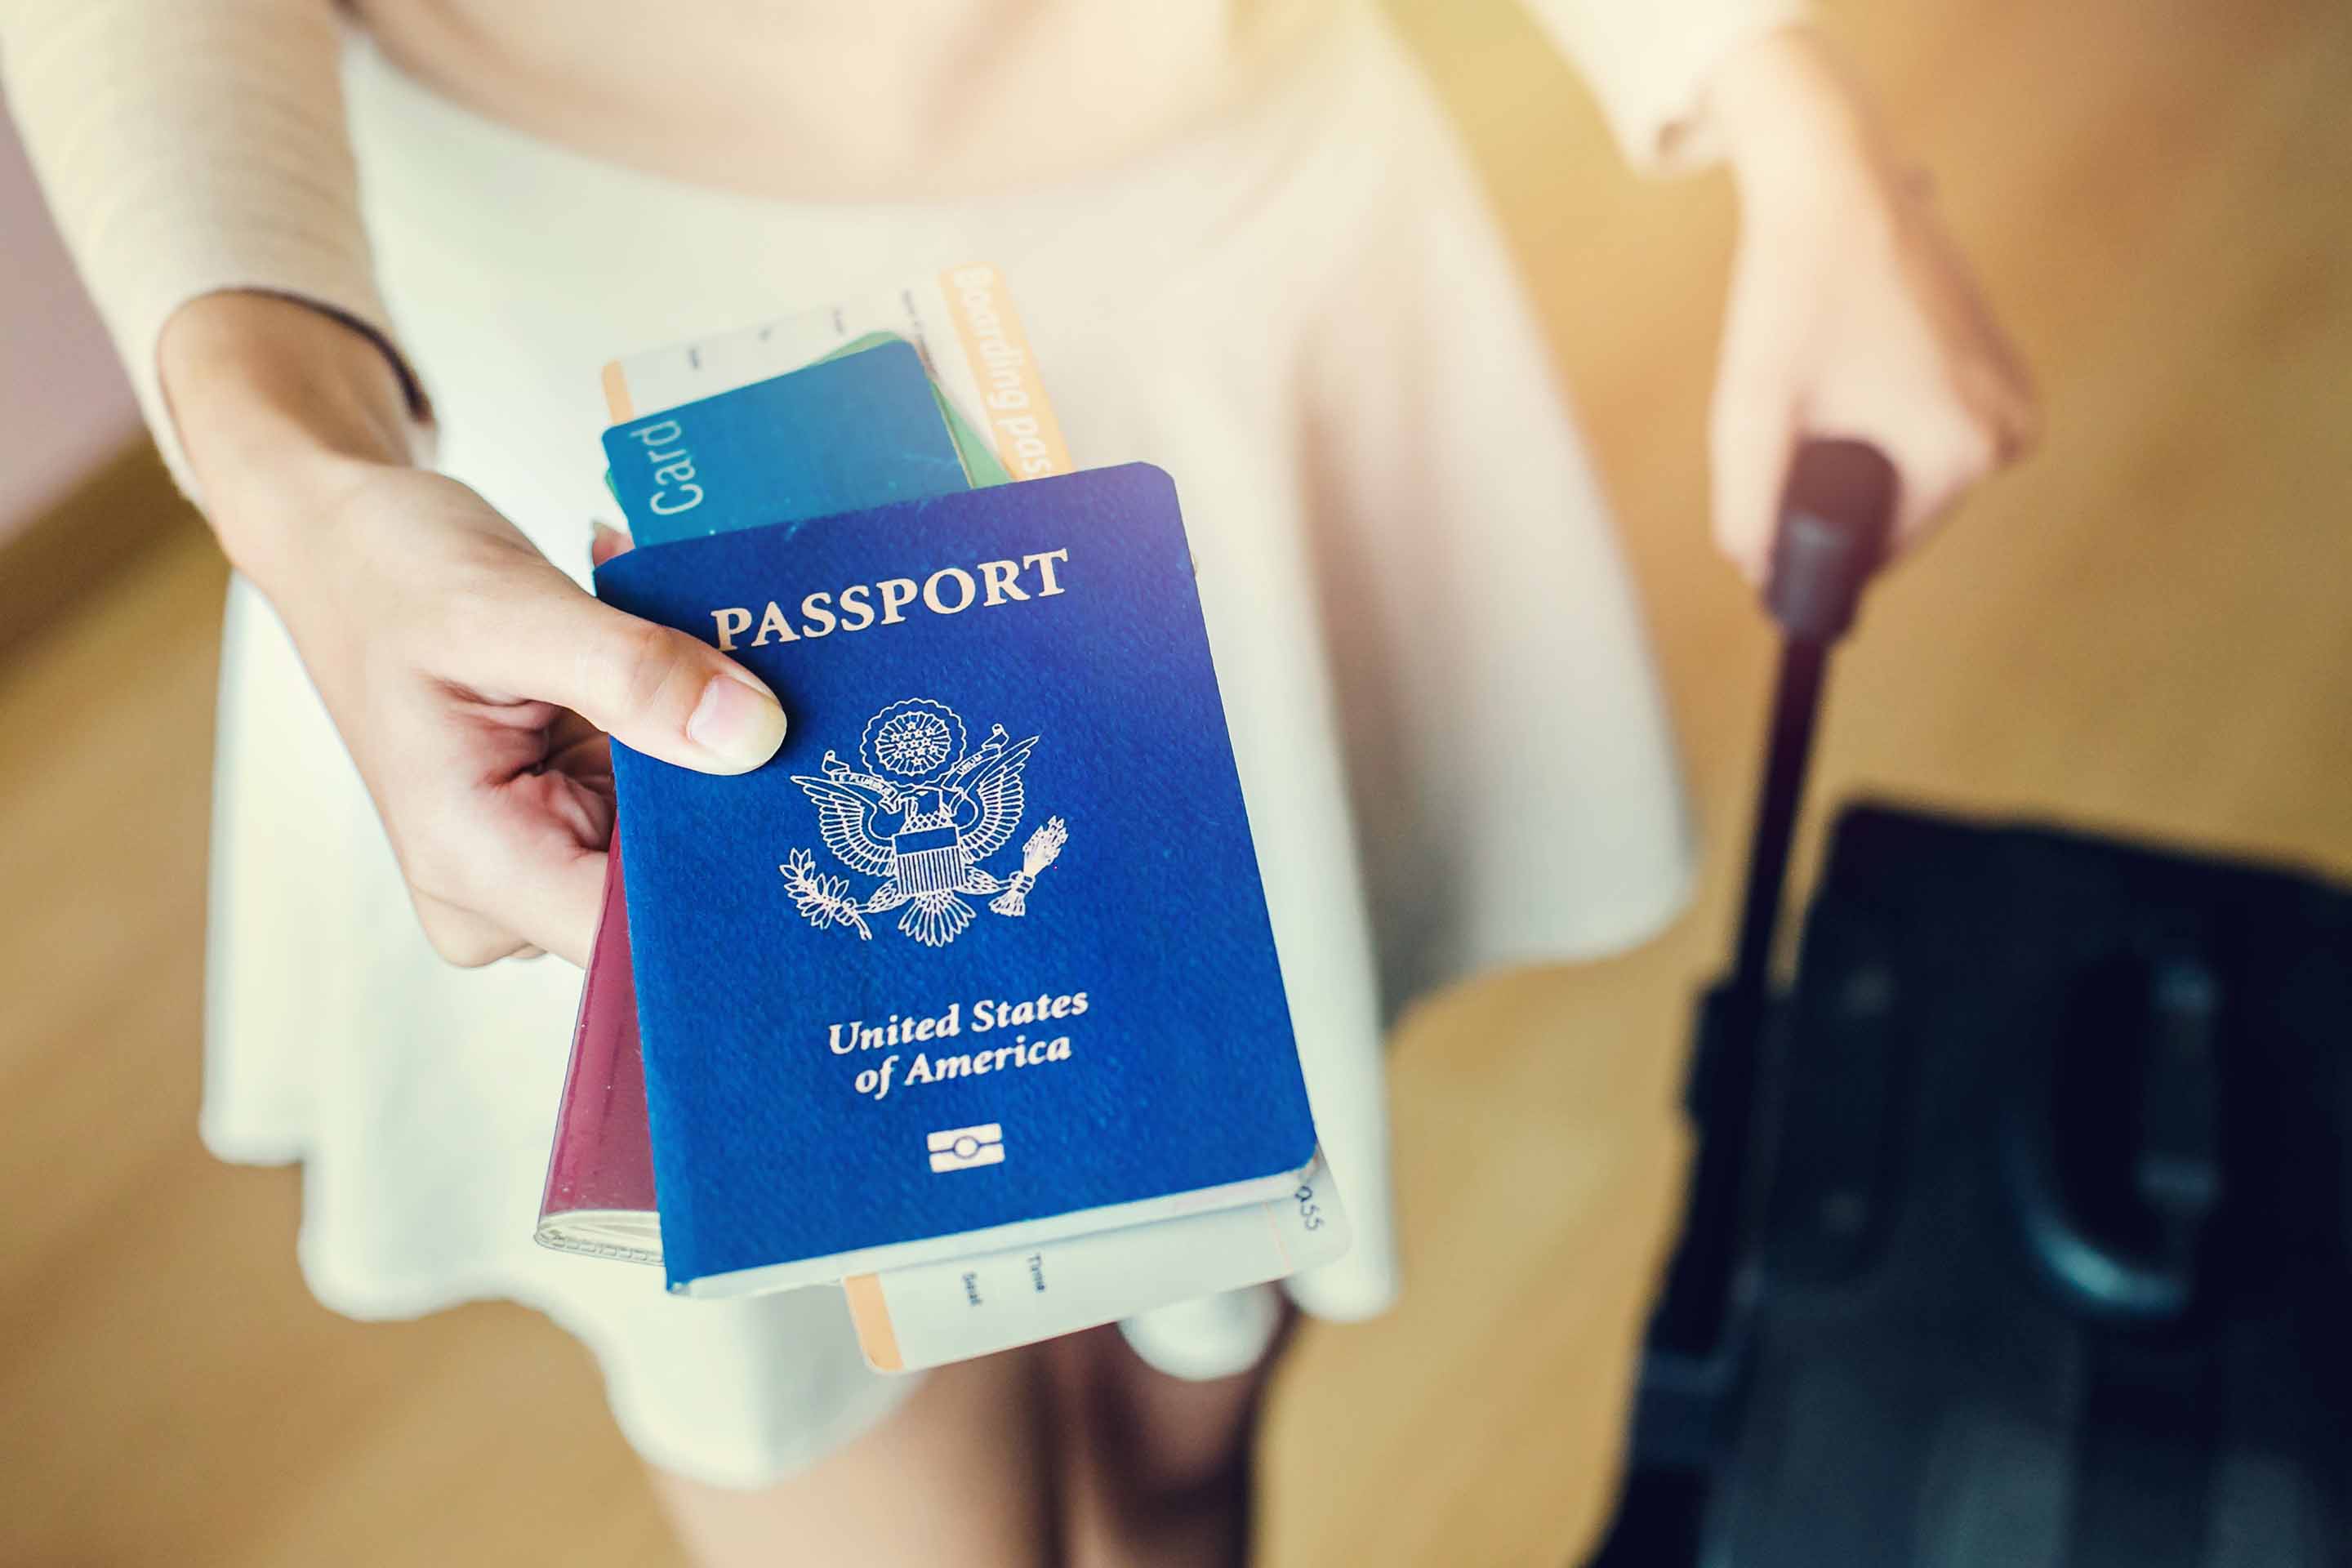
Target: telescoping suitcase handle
x: 1836, y: 516
x: 1837, y: 513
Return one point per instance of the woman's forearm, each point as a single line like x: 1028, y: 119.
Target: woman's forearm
x: 276, y: 405
x: 1851, y: 312
x: 1648, y: 65
x: 1793, y: 123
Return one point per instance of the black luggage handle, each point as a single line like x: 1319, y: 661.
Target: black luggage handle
x: 1837, y: 512
x: 1836, y: 516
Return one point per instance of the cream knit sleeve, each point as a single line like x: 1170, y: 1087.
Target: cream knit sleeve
x: 188, y: 147
x: 1648, y: 62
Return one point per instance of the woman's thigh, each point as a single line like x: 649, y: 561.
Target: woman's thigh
x: 1155, y: 1470
x: 1071, y: 1452
x: 962, y: 1472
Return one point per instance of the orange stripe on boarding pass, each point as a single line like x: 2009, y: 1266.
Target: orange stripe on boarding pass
x: 871, y: 1316
x: 617, y: 401
x: 1021, y: 421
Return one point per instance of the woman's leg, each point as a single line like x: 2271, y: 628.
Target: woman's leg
x: 961, y: 1473
x: 1154, y: 1470
x: 1074, y: 1452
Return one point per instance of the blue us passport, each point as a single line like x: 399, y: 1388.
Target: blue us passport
x: 982, y: 955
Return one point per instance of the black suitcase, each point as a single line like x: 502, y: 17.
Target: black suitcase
x: 2019, y: 1231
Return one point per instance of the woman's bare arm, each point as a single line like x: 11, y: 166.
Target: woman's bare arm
x: 196, y: 154
x: 1852, y: 313
x: 474, y: 683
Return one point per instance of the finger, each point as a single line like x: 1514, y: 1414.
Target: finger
x: 537, y: 880
x: 579, y: 751
x: 463, y: 937
x: 1992, y: 375
x: 1752, y: 439
x: 565, y: 899
x: 2001, y: 396
x: 500, y: 870
x: 651, y: 688
x: 605, y: 542
x: 1938, y: 466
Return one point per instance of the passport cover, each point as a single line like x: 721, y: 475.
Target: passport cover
x: 599, y: 1197
x: 846, y: 432
x: 984, y: 943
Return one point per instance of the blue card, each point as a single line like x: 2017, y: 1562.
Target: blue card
x: 985, y: 944
x: 837, y: 435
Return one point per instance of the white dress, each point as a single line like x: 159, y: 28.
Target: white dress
x: 1452, y: 743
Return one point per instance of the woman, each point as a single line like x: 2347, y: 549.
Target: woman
x: 1247, y: 248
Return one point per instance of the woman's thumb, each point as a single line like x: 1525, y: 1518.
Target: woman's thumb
x: 1753, y: 434
x: 652, y: 689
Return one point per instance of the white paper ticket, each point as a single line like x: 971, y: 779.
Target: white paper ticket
x: 962, y: 322
x: 934, y: 1313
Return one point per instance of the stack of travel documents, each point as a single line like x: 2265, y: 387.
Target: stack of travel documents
x: 967, y: 1000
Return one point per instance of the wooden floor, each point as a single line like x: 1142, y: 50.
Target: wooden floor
x: 2150, y: 629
